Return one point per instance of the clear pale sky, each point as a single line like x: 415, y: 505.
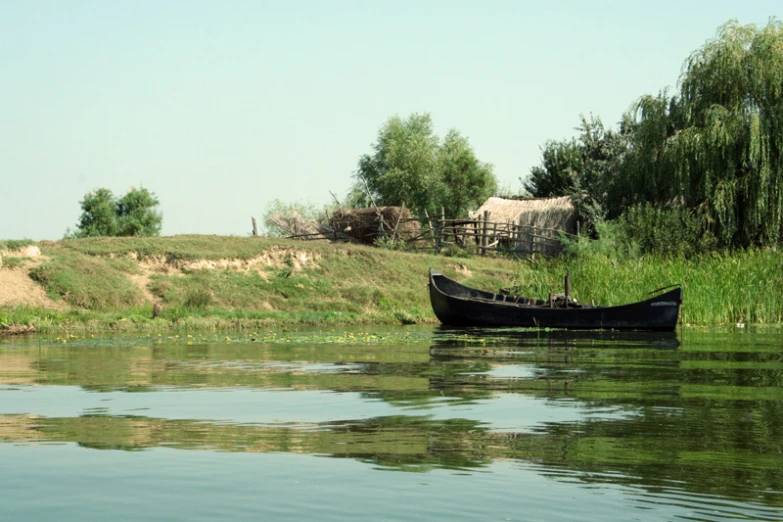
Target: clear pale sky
x: 219, y: 107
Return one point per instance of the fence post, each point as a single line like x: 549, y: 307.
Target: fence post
x: 480, y: 234
x: 484, y: 232
x: 532, y: 240
x: 512, y: 242
x: 520, y: 247
x: 397, y: 224
x: 432, y: 230
x: 512, y: 234
x: 441, y: 227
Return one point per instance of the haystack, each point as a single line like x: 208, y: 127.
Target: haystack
x: 293, y: 224
x: 550, y: 213
x: 363, y: 225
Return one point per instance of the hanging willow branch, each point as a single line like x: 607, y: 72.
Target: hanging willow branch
x: 718, y: 146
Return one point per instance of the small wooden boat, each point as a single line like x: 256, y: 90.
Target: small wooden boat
x: 458, y: 305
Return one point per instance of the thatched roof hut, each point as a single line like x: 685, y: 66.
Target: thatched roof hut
x: 549, y: 213
x: 365, y: 226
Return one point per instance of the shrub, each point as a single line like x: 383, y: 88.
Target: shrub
x: 666, y: 231
x: 133, y: 214
x: 197, y: 298
x: 611, y: 242
x: 392, y: 244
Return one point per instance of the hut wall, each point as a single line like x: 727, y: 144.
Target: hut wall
x: 555, y: 213
x: 550, y: 214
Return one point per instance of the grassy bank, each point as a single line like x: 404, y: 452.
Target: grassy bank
x: 212, y: 282
x: 207, y: 282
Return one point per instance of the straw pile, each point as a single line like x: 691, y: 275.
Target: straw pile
x: 363, y: 225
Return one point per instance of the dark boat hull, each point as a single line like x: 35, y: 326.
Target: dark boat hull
x: 458, y: 305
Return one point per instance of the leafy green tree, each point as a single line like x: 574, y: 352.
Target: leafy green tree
x: 136, y: 214
x: 99, y: 216
x: 403, y: 167
x: 465, y: 181
x: 586, y: 168
x: 132, y: 215
x: 603, y: 154
x: 588, y: 164
x: 410, y: 165
x: 647, y: 172
x: 562, y: 164
x: 717, y: 148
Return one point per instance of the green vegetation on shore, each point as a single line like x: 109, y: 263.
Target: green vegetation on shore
x: 208, y: 282
x: 15, y: 244
x: 708, y: 155
x: 719, y: 288
x: 213, y: 282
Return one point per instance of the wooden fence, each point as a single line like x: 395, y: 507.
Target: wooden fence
x: 482, y: 234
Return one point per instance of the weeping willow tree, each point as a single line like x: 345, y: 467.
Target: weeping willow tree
x: 716, y: 148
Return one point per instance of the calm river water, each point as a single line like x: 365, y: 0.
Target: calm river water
x: 414, y: 423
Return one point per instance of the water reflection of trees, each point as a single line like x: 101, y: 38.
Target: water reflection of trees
x: 656, y: 448
x: 708, y: 418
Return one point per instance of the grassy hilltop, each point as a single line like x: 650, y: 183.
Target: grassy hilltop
x: 214, y: 282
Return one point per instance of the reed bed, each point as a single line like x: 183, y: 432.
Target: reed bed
x: 728, y: 288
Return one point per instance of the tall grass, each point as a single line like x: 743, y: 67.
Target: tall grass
x: 740, y: 287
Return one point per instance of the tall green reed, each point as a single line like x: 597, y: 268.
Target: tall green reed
x: 739, y: 287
